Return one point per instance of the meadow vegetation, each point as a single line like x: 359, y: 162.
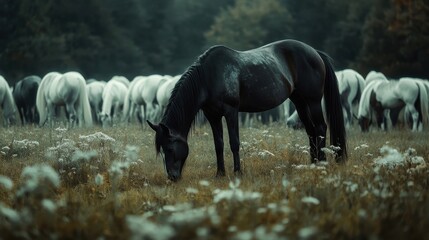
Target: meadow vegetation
x: 95, y: 183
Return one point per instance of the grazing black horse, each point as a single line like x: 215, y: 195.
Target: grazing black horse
x: 223, y: 82
x: 24, y: 94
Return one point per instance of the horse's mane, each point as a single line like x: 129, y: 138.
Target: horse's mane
x: 185, y: 93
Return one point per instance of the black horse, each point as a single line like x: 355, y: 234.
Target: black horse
x: 24, y: 94
x: 223, y: 82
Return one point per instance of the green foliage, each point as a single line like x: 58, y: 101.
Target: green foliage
x: 249, y: 24
x: 140, y: 37
x: 396, y: 38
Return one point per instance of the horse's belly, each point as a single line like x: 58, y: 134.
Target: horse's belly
x: 262, y: 100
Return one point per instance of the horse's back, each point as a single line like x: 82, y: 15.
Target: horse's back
x: 121, y: 79
x: 268, y: 75
x: 115, y: 91
x: 95, y: 90
x: 150, y: 87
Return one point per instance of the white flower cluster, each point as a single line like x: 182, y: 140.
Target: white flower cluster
x: 97, y: 137
x: 37, y: 178
x: 392, y: 158
x: 142, y: 228
x: 235, y: 194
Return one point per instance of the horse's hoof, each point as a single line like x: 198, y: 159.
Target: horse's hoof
x: 220, y: 174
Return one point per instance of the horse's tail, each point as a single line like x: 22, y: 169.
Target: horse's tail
x: 41, y: 101
x: 334, y: 110
x: 84, y: 103
x: 107, y: 100
x: 424, y: 102
x: 361, y: 86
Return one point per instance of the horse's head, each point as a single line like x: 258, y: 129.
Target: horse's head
x: 174, y: 147
x: 105, y: 120
x: 364, y: 123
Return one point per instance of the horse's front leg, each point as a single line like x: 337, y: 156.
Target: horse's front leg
x: 216, y: 125
x: 234, y: 138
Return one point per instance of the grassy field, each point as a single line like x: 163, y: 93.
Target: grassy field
x: 108, y: 184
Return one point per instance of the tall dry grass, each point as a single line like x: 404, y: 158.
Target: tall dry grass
x: 117, y: 188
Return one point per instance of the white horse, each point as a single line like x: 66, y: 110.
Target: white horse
x: 121, y: 79
x: 164, y: 92
x: 374, y: 76
x: 64, y: 90
x: 152, y: 111
x: 382, y: 94
x: 141, y: 98
x: 134, y: 100
x: 95, y: 97
x: 424, y: 84
x: 350, y: 86
x: 113, y: 100
x: 7, y: 103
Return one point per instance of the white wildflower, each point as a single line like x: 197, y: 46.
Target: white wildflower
x: 49, y: 205
x: 232, y: 228
x: 285, y: 182
x: 310, y: 200
x: 85, y: 156
x: 327, y: 151
x: 24, y: 144
x: 99, y: 179
x: 391, y: 159
x: 245, y: 235
x: 203, y: 232
x: 307, y: 232
x: 142, y: 228
x: 35, y: 176
x: 213, y: 214
x: 98, y: 136
x: 9, y: 214
x: 117, y: 168
x: 265, y: 153
x: 191, y: 190
x: 350, y: 186
x: 6, y: 182
x: 131, y: 153
x: 189, y: 217
x: 362, y: 213
x: 235, y: 194
x: 204, y: 183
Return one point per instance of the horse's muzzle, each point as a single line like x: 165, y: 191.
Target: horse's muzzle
x: 174, y: 176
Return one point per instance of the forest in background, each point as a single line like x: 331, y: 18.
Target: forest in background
x: 102, y: 38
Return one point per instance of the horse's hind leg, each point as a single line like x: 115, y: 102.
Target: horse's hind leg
x: 234, y: 138
x: 72, y: 114
x: 414, y: 116
x: 311, y: 115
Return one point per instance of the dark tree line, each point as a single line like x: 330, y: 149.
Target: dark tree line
x: 102, y: 38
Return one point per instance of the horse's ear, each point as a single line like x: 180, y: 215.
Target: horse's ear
x: 160, y: 128
x: 153, y: 126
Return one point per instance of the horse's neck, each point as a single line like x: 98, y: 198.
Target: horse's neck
x: 185, y: 102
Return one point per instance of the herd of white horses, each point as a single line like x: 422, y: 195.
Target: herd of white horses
x: 371, y: 100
